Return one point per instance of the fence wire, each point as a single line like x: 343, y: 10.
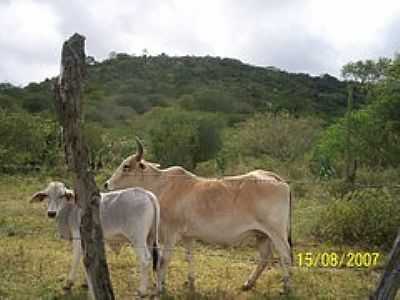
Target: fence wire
x: 273, y: 178
x: 231, y: 256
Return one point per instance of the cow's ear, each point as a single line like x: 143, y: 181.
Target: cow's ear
x: 69, y: 194
x: 39, y: 196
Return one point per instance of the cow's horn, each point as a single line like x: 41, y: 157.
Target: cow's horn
x: 140, y: 151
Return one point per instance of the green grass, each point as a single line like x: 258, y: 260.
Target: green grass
x: 34, y: 262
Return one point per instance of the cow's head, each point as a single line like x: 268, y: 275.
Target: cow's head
x: 133, y: 171
x: 57, y: 195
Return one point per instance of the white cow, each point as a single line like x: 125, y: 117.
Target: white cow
x: 130, y: 215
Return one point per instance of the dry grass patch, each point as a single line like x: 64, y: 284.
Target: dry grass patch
x: 34, y: 262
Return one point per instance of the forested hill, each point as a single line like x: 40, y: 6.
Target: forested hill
x: 124, y: 85
x: 214, y: 116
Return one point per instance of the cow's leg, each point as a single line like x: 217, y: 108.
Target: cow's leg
x: 282, y: 246
x: 144, y: 257
x: 188, y: 244
x: 157, y: 252
x: 167, y: 251
x: 264, y: 248
x: 76, y: 257
x: 90, y: 286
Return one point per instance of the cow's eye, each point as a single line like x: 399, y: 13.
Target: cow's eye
x: 126, y: 168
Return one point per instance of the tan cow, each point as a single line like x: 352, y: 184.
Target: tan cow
x: 219, y: 211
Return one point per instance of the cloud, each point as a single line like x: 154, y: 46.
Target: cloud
x: 297, y: 35
x: 28, y: 40
x: 389, y: 41
x: 277, y: 35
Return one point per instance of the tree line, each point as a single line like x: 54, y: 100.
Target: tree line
x: 214, y: 115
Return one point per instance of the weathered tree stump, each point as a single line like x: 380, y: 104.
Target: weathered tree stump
x: 69, y: 109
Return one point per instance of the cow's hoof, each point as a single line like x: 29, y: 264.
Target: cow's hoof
x: 140, y: 294
x: 190, y: 285
x: 162, y: 290
x: 155, y: 295
x: 247, y: 286
x: 84, y: 286
x: 158, y: 291
x: 286, y: 291
x: 68, y: 286
x: 287, y: 286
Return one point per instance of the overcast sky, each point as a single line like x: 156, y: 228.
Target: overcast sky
x: 313, y: 36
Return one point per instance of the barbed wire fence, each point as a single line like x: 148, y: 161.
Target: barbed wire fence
x: 230, y: 255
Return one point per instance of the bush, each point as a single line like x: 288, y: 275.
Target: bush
x: 26, y: 142
x: 371, y: 135
x: 363, y: 217
x: 282, y: 136
x: 184, y: 138
x: 275, y: 142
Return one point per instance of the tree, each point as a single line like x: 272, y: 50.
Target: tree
x: 373, y: 138
x: 368, y: 71
x: 90, y: 60
x: 213, y: 100
x: 112, y: 55
x: 184, y: 138
x: 97, y: 145
x: 388, y: 109
x: 34, y: 104
x: 351, y: 163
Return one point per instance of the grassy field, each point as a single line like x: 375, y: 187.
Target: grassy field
x: 34, y: 262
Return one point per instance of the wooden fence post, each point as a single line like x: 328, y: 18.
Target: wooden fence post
x: 390, y: 280
x: 69, y: 109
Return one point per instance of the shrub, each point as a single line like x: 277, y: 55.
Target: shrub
x: 371, y: 135
x: 27, y: 142
x: 282, y: 136
x: 363, y: 217
x: 184, y: 138
x: 275, y: 142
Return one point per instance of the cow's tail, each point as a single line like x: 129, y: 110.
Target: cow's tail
x: 290, y: 241
x: 156, y: 226
x: 156, y: 256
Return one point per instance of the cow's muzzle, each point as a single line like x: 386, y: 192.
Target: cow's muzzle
x: 51, y: 214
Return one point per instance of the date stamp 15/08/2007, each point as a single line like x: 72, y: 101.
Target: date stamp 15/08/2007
x: 337, y: 260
